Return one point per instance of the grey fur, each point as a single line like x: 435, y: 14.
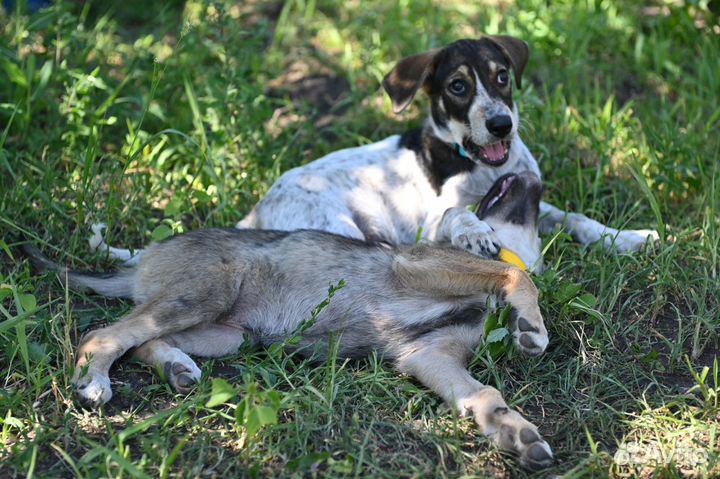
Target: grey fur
x: 421, y: 307
x: 113, y: 285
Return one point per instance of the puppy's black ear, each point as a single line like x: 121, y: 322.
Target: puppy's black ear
x: 517, y: 52
x: 407, y: 77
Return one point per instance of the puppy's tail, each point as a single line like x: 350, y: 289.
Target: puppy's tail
x: 118, y: 284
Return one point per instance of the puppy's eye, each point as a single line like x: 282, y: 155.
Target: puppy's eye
x: 457, y: 87
x: 503, y: 78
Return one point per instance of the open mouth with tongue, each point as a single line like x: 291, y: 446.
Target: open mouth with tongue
x: 496, y: 194
x: 493, y: 154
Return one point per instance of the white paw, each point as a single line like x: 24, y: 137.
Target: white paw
x: 478, y: 239
x: 96, y: 240
x: 92, y: 389
x: 528, y: 331
x: 627, y: 241
x: 181, y: 372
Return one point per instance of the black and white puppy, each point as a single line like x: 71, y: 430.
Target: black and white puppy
x: 424, y: 179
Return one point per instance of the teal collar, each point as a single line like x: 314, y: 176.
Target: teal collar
x: 461, y: 151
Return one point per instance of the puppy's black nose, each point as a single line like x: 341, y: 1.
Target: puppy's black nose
x: 499, y: 125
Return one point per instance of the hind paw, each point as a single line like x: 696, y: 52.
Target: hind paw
x: 182, y: 375
x: 528, y: 331
x: 627, y: 241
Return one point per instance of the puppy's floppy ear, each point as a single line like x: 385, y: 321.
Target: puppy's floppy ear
x: 407, y: 77
x: 517, y: 52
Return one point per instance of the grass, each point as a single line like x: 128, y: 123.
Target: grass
x: 161, y: 117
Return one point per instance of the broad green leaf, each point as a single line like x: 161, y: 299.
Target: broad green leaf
x: 496, y: 335
x: 5, y: 291
x: 566, y: 292
x: 37, y: 351
x: 221, y: 392
x: 175, y: 206
x: 504, y: 315
x: 14, y: 73
x: 258, y: 417
x: 161, y: 232
x: 588, y: 300
x: 28, y: 302
x: 496, y: 350
x: 272, y: 397
x: 491, y: 322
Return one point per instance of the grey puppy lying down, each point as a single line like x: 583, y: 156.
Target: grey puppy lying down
x: 420, y: 307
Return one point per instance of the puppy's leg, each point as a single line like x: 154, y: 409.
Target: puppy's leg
x: 586, y: 230
x: 438, y: 361
x: 100, y: 348
x: 448, y: 274
x: 464, y: 230
x: 209, y: 340
x: 171, y: 351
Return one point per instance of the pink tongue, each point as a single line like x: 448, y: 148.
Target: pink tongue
x: 494, y: 152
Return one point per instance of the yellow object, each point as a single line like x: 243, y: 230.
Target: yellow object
x: 509, y: 257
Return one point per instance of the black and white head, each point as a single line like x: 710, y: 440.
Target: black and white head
x: 470, y: 89
x: 511, y: 208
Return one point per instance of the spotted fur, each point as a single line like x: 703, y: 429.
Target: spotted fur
x: 424, y: 179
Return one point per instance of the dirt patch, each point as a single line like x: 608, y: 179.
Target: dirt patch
x: 628, y: 89
x: 656, y: 354
x: 321, y: 92
x: 316, y: 93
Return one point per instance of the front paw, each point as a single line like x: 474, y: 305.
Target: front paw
x: 520, y: 436
x: 92, y: 388
x: 479, y: 240
x: 507, y: 428
x: 627, y: 241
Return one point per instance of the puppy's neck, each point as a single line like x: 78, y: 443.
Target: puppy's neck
x: 441, y: 158
x: 438, y: 159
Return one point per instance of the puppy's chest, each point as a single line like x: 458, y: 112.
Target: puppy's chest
x: 391, y: 199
